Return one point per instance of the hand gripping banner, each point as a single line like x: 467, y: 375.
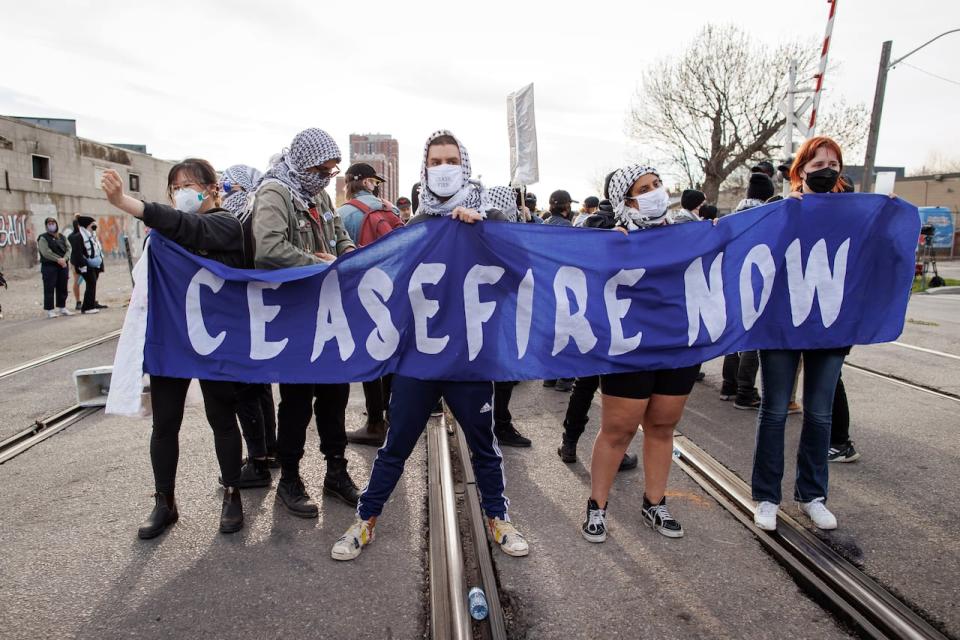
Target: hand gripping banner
x: 502, y: 301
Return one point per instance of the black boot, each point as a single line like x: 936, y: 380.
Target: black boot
x: 163, y: 515
x: 338, y: 483
x: 372, y: 433
x: 567, y: 451
x: 254, y: 473
x: 231, y: 516
x: 295, y: 498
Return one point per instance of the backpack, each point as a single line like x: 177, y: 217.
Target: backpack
x: 376, y: 224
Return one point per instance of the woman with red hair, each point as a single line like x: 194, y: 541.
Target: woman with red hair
x: 816, y: 169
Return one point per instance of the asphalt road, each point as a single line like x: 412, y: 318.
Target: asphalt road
x: 73, y: 567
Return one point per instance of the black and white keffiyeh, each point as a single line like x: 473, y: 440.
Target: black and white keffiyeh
x: 503, y: 199
x: 310, y: 148
x: 470, y: 195
x: 620, y: 183
x: 248, y: 179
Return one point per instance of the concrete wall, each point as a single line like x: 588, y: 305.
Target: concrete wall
x: 75, y: 167
x: 935, y: 191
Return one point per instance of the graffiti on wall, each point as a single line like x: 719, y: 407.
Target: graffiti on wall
x: 13, y: 230
x: 18, y: 246
x: 110, y: 232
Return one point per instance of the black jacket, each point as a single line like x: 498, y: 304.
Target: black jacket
x: 604, y: 218
x: 216, y: 235
x: 78, y: 250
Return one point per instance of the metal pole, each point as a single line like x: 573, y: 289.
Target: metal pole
x: 871, y: 155
x: 822, y: 71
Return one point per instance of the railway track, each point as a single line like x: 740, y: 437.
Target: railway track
x: 449, y: 571
x: 41, y: 430
x: 829, y: 578
x: 62, y: 353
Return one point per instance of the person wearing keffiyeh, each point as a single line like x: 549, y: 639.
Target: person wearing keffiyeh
x: 446, y: 189
x: 243, y: 182
x: 654, y: 399
x: 293, y: 225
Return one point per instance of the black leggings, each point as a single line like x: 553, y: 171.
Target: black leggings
x: 840, y: 427
x: 258, y: 420
x: 219, y: 401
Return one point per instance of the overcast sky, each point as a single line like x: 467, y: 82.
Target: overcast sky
x: 233, y: 82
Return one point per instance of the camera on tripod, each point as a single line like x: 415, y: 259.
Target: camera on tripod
x: 927, y: 231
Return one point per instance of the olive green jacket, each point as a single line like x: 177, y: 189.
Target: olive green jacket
x: 286, y: 235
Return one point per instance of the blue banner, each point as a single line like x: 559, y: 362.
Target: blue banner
x: 505, y: 301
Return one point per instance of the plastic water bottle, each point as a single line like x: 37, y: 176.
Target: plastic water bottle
x: 477, y: 602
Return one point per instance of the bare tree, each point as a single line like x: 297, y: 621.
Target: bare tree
x: 935, y: 163
x: 716, y: 107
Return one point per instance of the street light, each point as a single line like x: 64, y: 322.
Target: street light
x: 885, y: 65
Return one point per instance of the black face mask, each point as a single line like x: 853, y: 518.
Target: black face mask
x: 822, y: 180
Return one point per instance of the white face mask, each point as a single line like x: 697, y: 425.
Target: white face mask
x: 188, y: 200
x: 445, y: 179
x: 653, y: 203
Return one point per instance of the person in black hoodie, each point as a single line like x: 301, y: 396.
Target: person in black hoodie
x: 199, y: 225
x: 87, y: 258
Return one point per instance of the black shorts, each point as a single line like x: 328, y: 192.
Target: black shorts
x: 640, y: 385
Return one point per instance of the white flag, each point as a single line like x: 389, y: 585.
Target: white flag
x: 522, y: 127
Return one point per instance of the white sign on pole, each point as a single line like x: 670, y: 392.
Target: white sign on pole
x: 884, y: 182
x: 522, y: 128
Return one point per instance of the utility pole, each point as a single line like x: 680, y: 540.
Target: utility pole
x: 871, y: 156
x: 885, y: 65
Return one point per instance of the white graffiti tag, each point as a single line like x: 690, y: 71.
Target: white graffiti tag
x: 13, y: 230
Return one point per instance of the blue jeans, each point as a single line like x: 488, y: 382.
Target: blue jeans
x: 821, y: 369
x: 411, y: 401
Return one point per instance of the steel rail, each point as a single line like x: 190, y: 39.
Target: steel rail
x: 824, y: 573
x: 56, y: 355
x: 41, y: 430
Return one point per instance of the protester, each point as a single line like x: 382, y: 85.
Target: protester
x: 529, y: 209
x: 255, y: 408
x: 200, y: 226
x: 654, y: 399
x: 691, y: 201
x: 446, y: 190
x: 504, y: 200
x: 708, y: 212
x: 560, y: 215
x: 590, y: 206
x: 87, y: 258
x: 103, y: 265
x: 765, y: 167
x: 54, y: 270
x: 364, y: 210
x: 405, y: 209
x: 294, y: 225
x: 816, y: 169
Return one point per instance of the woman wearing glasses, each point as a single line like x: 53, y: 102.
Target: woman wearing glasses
x: 199, y: 225
x: 294, y: 224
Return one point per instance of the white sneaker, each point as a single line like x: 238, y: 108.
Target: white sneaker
x: 89, y: 311
x: 52, y: 313
x: 819, y: 513
x: 506, y: 535
x: 359, y: 535
x: 65, y: 312
x: 765, y: 517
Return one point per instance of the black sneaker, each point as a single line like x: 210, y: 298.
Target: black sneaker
x: 747, y: 404
x: 630, y: 461
x: 510, y: 437
x: 294, y: 497
x: 79, y: 306
x: 659, y: 519
x: 843, y: 453
x: 100, y: 306
x: 567, y: 451
x: 594, y: 528
x: 564, y: 384
x: 253, y: 474
x: 549, y: 383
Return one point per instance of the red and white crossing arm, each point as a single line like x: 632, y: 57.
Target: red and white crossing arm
x: 818, y: 79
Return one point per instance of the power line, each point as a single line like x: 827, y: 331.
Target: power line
x: 951, y: 81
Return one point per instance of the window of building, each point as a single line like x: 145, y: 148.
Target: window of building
x: 41, y: 167
x: 135, y: 182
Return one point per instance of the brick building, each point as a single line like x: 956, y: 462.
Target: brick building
x: 46, y: 170
x: 382, y: 153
